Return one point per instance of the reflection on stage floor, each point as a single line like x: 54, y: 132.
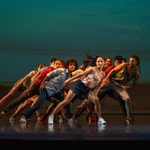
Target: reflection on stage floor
x: 115, y: 129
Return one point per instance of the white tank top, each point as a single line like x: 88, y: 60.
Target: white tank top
x: 93, y: 79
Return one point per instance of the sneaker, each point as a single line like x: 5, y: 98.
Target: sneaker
x: 101, y: 127
x: 51, y: 120
x: 101, y: 121
x: 11, y: 119
x: 3, y: 113
x: 24, y: 120
x: 129, y: 120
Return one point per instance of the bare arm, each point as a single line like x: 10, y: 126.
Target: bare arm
x: 114, y: 70
x: 81, y: 74
x: 77, y: 72
x: 20, y: 82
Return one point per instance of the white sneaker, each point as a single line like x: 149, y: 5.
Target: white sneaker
x: 23, y: 120
x: 51, y: 120
x: 101, y: 121
x: 101, y: 127
x: 50, y: 128
x: 12, y: 119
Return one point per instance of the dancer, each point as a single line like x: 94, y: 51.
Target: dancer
x: 88, y: 80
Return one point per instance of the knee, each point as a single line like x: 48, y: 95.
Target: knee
x: 96, y: 100
x: 65, y: 101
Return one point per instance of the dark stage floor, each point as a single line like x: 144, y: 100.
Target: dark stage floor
x: 116, y: 129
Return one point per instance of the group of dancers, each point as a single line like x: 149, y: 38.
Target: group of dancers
x: 62, y: 83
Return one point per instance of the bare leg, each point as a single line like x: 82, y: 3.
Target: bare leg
x: 10, y: 93
x: 49, y: 107
x: 21, y: 107
x: 97, y: 106
x: 63, y: 113
x: 60, y: 105
x: 128, y: 107
x: 32, y: 100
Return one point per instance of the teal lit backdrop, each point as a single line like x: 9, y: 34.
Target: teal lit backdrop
x: 33, y: 31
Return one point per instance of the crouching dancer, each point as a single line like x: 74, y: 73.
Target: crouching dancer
x: 51, y: 85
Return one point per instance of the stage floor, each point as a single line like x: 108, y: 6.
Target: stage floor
x: 116, y: 129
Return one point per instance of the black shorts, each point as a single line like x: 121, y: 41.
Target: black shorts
x: 79, y: 88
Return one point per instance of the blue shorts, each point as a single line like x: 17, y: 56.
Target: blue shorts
x: 79, y: 88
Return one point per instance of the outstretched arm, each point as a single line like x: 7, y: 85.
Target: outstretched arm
x: 78, y: 76
x: 114, y: 70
